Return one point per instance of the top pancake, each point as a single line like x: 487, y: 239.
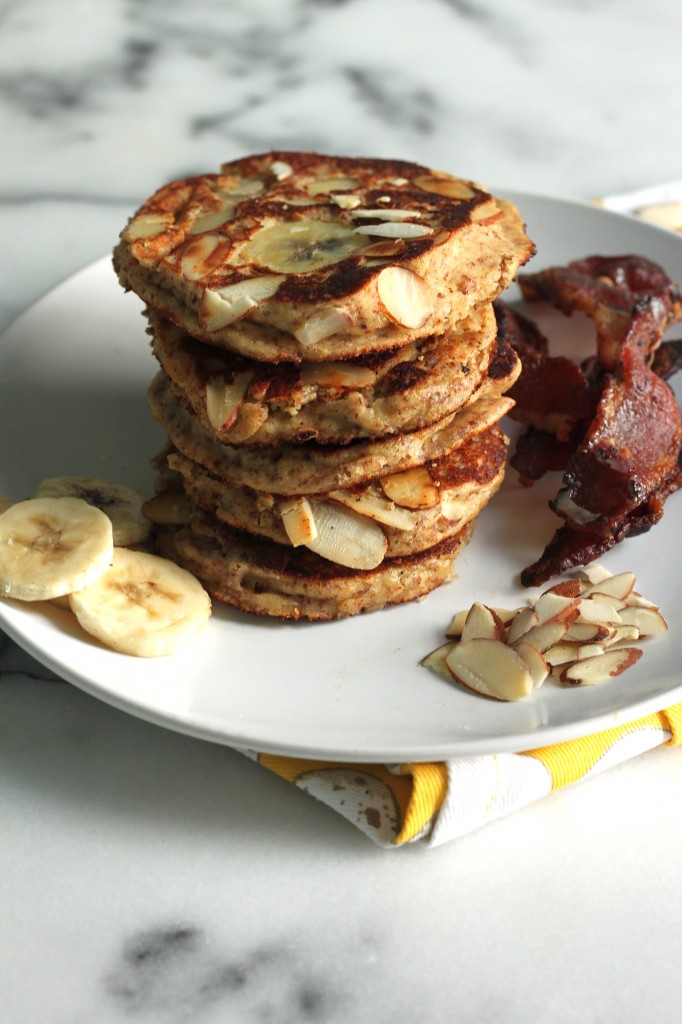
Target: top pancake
x: 297, y: 256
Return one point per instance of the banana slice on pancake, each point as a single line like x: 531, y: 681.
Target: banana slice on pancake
x: 143, y: 605
x: 122, y: 504
x: 52, y: 546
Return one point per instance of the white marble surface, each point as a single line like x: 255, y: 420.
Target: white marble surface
x: 150, y: 877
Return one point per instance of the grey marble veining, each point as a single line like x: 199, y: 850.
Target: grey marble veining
x: 150, y: 877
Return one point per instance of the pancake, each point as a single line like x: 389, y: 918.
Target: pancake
x: 448, y: 493
x: 259, y: 576
x: 303, y: 257
x: 244, y: 402
x: 314, y: 468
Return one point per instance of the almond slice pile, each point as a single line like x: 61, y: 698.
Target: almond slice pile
x: 576, y: 633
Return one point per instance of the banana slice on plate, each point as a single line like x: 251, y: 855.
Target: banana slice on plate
x: 120, y: 503
x: 52, y: 546
x: 143, y: 605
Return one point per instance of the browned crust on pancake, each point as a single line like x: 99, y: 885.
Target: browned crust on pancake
x: 414, y: 386
x: 313, y: 468
x: 264, y: 578
x: 466, y: 480
x: 467, y: 262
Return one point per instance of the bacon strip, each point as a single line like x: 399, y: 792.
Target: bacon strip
x: 626, y: 461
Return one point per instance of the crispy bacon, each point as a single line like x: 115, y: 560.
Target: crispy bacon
x: 627, y: 425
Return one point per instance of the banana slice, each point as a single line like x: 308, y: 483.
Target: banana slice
x: 120, y: 503
x: 144, y: 605
x: 295, y: 247
x: 52, y: 546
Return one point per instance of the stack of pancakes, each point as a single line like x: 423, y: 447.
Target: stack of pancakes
x: 331, y: 379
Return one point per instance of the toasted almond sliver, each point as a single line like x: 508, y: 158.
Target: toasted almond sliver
x: 555, y: 606
x: 593, y: 573
x: 411, y: 488
x: 405, y: 297
x: 395, y: 229
x: 437, y: 660
x: 298, y: 521
x: 524, y: 620
x: 323, y: 324
x: 482, y: 621
x: 491, y: 668
x: 545, y: 634
x: 619, y: 586
x: 648, y: 621
x: 592, y: 671
x: 597, y: 611
x: 224, y: 399
x: 386, y: 214
x: 537, y: 663
x: 454, y: 630
x: 590, y: 632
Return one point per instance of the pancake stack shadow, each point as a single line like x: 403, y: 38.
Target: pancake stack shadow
x: 331, y: 380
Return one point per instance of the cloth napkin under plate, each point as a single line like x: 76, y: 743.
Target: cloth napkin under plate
x: 426, y: 803
x: 433, y: 803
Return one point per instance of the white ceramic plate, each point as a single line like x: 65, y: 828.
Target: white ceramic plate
x: 73, y: 375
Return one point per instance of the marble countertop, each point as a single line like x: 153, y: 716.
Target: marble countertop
x: 149, y: 876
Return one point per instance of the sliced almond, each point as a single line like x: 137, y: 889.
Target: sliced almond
x: 346, y: 538
x: 411, y: 488
x: 621, y: 633
x: 326, y: 185
x: 592, y: 671
x: 389, y: 247
x: 345, y: 201
x: 619, y: 586
x: 487, y: 213
x: 168, y: 509
x: 481, y: 621
x: 219, y: 309
x: 383, y: 213
x: 213, y: 219
x: 534, y: 659
x: 322, y: 324
x: 609, y: 600
x: 436, y: 660
x: 551, y: 605
x: 545, y: 634
x: 635, y: 600
x: 491, y: 668
x: 648, y: 621
x: 454, y: 508
x: 394, y: 229
x: 597, y: 611
x: 565, y: 588
x: 593, y: 573
x: 454, y: 630
x: 375, y: 506
x: 562, y: 653
x: 346, y: 376
x: 454, y: 188
x: 405, y: 297
x: 194, y: 263
x: 225, y: 398
x: 524, y: 620
x: 147, y: 225
x: 281, y: 170
x: 298, y: 521
x: 590, y: 632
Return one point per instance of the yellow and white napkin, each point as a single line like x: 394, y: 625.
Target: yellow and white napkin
x: 433, y: 803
